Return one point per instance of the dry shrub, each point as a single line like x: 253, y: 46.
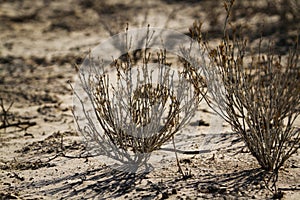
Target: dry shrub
x: 260, y: 99
x: 257, y: 94
x: 138, y: 109
x: 141, y: 116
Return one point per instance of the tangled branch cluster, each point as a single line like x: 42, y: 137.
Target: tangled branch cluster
x: 138, y: 107
x: 260, y: 100
x: 258, y: 94
x: 141, y: 116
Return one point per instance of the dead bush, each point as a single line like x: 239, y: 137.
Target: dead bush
x: 136, y: 108
x: 258, y: 94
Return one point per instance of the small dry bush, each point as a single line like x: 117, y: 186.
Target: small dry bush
x: 260, y: 99
x: 138, y: 106
x: 257, y: 94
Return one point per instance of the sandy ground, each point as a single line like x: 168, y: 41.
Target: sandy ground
x: 41, y: 154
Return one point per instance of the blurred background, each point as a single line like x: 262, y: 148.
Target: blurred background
x: 41, y: 41
x: 53, y: 34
